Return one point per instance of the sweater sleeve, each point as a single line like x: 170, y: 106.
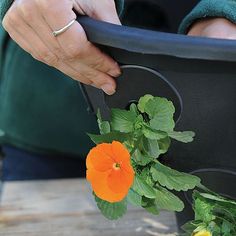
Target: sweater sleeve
x: 6, y: 4
x: 119, y: 7
x: 209, y: 8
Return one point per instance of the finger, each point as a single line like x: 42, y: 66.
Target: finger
x: 41, y: 52
x: 74, y: 41
x: 15, y: 27
x: 37, y: 49
x: 30, y: 15
x: 18, y: 38
x: 105, y: 11
x: 97, y: 60
x: 69, y: 71
x: 98, y: 79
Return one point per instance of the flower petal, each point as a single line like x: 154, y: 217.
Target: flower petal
x: 117, y: 182
x: 126, y: 166
x: 120, y: 181
x: 120, y: 153
x: 100, y: 187
x: 100, y: 157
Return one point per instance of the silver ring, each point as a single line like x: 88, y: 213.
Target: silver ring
x: 65, y: 28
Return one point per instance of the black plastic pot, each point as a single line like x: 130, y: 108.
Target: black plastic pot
x: 198, y: 75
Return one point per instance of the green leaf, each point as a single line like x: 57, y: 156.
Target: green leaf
x: 200, y: 227
x: 151, y: 147
x: 138, y: 122
x: 159, y: 106
x: 147, y: 177
x: 104, y: 126
x: 143, y: 188
x: 111, y: 211
x: 214, y: 228
x: 133, y: 108
x: 150, y: 206
x: 173, y: 179
x: 164, y: 145
x: 134, y: 198
x: 162, y: 123
x: 108, y: 138
x: 227, y: 228
x: 140, y: 158
x: 143, y: 101
x: 161, y: 112
x: 185, y: 137
x: 203, y: 210
x: 191, y: 226
x: 122, y: 120
x: 168, y: 201
x: 224, y: 212
x: 153, y: 134
x: 152, y: 209
x: 217, y: 198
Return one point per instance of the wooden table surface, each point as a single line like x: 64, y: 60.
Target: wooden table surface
x: 66, y: 208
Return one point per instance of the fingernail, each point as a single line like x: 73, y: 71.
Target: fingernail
x: 114, y: 72
x: 108, y: 89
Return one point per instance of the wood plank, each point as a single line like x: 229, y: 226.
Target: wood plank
x: 42, y: 197
x: 66, y: 208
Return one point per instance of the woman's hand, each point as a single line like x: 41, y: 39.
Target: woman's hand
x: 30, y: 24
x: 214, y: 28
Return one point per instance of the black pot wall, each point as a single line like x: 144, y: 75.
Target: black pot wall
x: 198, y: 75
x: 161, y: 15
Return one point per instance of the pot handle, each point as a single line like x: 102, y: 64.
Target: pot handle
x: 153, y: 42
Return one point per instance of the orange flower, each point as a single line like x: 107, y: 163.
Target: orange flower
x: 109, y: 171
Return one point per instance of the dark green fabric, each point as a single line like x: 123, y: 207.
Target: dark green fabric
x: 210, y: 8
x: 4, y: 6
x: 42, y: 109
x: 119, y: 6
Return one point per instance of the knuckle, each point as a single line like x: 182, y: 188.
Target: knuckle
x: 48, y: 58
x: 79, y: 77
x: 109, y: 5
x: 99, y: 81
x: 58, y: 52
x: 10, y: 17
x: 73, y: 50
x: 46, y: 5
x: 99, y: 62
x: 86, y: 81
x: 90, y: 74
x: 5, y: 22
x: 54, y: 8
x: 27, y: 12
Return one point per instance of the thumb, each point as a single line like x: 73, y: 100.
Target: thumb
x: 104, y: 10
x: 107, y: 12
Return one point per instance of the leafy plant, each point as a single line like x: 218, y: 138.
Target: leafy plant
x: 213, y: 213
x: 146, y: 129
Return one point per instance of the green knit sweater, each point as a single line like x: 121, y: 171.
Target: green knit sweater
x: 210, y: 8
x: 42, y: 109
